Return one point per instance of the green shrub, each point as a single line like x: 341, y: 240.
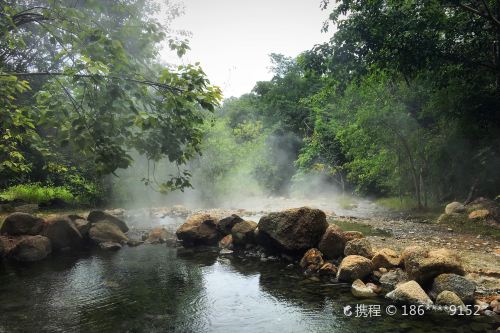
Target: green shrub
x: 36, y: 193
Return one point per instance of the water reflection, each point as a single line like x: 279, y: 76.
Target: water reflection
x: 159, y: 289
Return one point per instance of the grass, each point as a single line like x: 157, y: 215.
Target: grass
x: 461, y: 223
x: 397, y: 204
x: 364, y: 228
x: 36, y: 193
x: 346, y: 202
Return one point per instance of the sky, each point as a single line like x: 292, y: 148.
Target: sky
x: 232, y: 39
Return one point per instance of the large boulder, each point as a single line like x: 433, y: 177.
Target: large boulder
x: 226, y: 224
x: 461, y: 286
x: 244, y: 232
x: 332, y: 242
x: 17, y: 224
x: 312, y: 260
x: 328, y: 270
x: 199, y: 229
x: 31, y: 248
x: 293, y: 230
x: 390, y: 280
x: 83, y: 226
x: 360, y: 247
x: 410, y: 292
x: 385, y: 258
x: 100, y: 216
x: 454, y: 208
x: 423, y: 266
x: 62, y: 233
x: 7, y: 243
x: 354, y: 267
x: 102, y: 232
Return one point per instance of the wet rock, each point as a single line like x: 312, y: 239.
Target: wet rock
x: 21, y: 224
x: 459, y: 285
x: 360, y: 290
x: 328, y: 270
x: 7, y: 243
x: 360, y: 247
x: 102, y: 232
x: 448, y: 298
x: 244, y: 233
x: 410, y: 292
x: 83, y: 226
x: 100, y: 216
x: 226, y: 242
x: 390, y: 280
x: 31, y: 248
x: 293, y: 230
x: 354, y: 267
x: 312, y: 260
x: 385, y: 258
x: 454, y: 208
x: 332, y: 242
x: 422, y: 265
x: 63, y: 233
x: 226, y: 224
x: 158, y: 235
x: 110, y: 246
x: 134, y: 242
x: 199, y: 229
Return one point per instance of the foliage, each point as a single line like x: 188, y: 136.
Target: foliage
x: 36, y: 193
x: 82, y: 86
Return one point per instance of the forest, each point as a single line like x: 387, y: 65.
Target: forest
x: 403, y: 101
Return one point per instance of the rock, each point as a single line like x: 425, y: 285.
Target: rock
x: 350, y: 235
x: 27, y: 208
x: 102, y: 232
x: 63, y: 233
x: 21, y: 224
x: 293, y: 230
x: 422, y: 265
x: 332, y: 242
x: 409, y: 292
x: 83, y: 227
x: 54, y: 203
x: 385, y: 258
x: 134, y: 242
x: 459, y: 285
x: 360, y: 290
x: 354, y: 267
x: 226, y: 224
x: 226, y: 242
x: 328, y: 269
x: 491, y: 206
x: 447, y: 297
x: 199, y: 229
x: 244, y: 233
x: 312, y: 260
x: 360, y: 247
x: 480, y: 214
x: 7, y: 243
x: 110, y: 246
x: 100, y: 216
x: 31, y: 248
x: 454, y: 208
x: 390, y: 280
x: 158, y: 235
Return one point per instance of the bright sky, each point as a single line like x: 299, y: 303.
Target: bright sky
x: 233, y: 38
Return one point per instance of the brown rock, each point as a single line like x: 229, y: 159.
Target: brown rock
x: 244, y: 232
x: 100, y: 216
x: 312, y: 260
x: 480, y: 214
x: 17, y: 224
x: 226, y: 224
x: 360, y: 247
x: 102, y: 232
x: 199, y: 229
x: 62, y: 233
x: 328, y: 269
x: 226, y: 242
x: 333, y: 242
x: 385, y: 258
x: 293, y: 230
x: 410, y: 292
x: 350, y: 235
x: 31, y: 248
x: 158, y: 235
x: 360, y: 290
x: 447, y: 297
x: 354, y: 267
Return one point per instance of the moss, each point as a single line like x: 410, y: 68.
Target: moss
x: 363, y: 228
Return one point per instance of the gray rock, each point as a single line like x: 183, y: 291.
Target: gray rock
x: 459, y: 285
